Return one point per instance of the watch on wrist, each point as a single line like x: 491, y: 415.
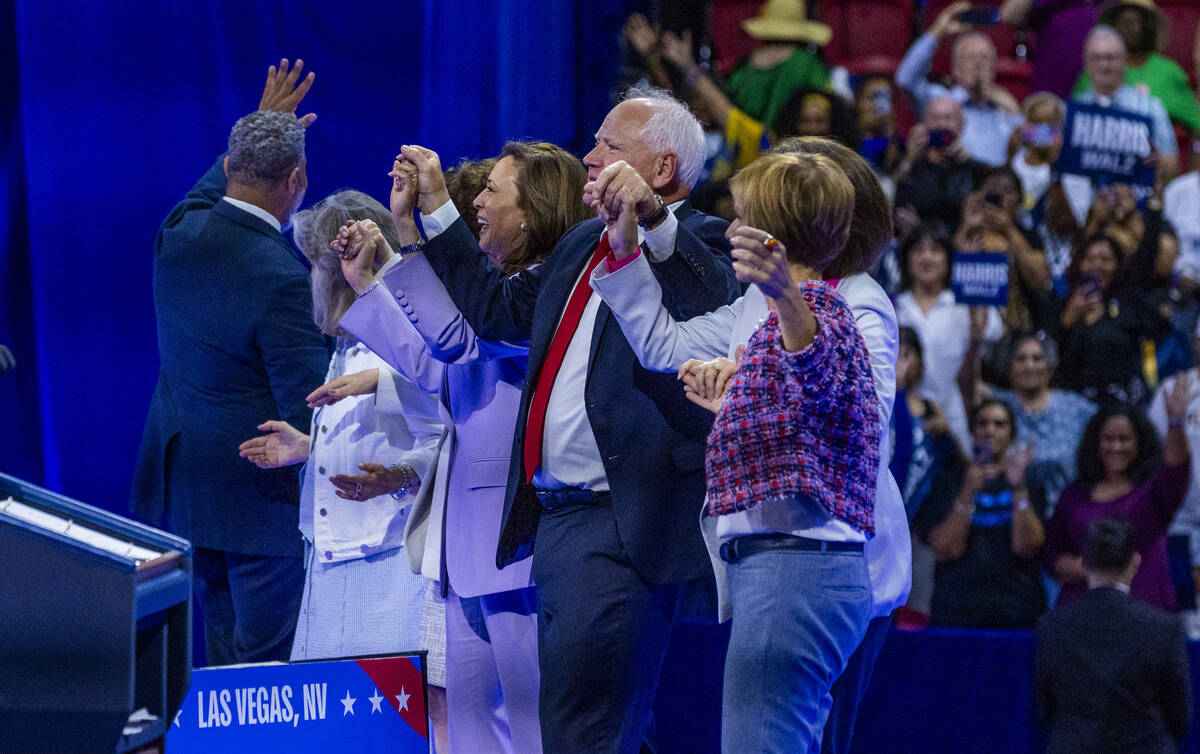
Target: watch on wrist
x: 656, y: 219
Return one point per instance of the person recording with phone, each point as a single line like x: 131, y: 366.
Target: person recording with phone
x: 937, y: 172
x: 984, y: 524
x: 1106, y: 324
x: 990, y: 113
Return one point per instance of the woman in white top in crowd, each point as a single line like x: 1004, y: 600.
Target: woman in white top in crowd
x: 927, y: 304
x: 635, y: 298
x: 360, y: 594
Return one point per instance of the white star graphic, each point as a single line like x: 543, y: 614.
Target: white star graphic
x: 348, y: 704
x: 177, y: 714
x: 375, y: 699
x: 402, y: 698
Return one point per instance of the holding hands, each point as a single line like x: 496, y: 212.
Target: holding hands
x: 363, y: 249
x: 705, y: 382
x: 621, y: 198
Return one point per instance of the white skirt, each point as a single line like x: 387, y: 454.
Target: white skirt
x: 365, y: 606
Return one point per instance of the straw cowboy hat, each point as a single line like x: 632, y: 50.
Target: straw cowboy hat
x: 786, y: 21
x: 1108, y: 17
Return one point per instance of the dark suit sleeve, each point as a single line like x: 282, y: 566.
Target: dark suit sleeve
x: 293, y: 351
x: 698, y: 277
x: 1177, y: 687
x: 498, y: 307
x: 206, y: 193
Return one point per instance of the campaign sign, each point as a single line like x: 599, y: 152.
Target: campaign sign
x: 980, y: 278
x: 373, y: 704
x: 1108, y: 145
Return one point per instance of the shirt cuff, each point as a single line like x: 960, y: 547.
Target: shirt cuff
x: 389, y: 264
x: 615, y: 264
x: 437, y: 221
x: 660, y: 241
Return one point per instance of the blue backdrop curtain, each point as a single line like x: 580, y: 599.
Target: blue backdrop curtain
x: 113, y: 110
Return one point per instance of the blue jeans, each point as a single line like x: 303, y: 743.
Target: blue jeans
x: 797, y: 617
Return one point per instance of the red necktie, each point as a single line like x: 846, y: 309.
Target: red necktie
x: 535, y: 423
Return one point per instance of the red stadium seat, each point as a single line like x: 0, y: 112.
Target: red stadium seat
x: 730, y: 43
x: 1182, y: 19
x: 864, y: 28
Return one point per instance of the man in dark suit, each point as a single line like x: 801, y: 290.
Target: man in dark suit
x: 614, y: 481
x: 1112, y: 674
x: 237, y: 343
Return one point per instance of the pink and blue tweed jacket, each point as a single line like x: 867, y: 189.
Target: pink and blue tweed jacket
x: 801, y: 424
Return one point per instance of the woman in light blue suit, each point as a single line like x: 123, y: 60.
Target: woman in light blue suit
x: 404, y: 314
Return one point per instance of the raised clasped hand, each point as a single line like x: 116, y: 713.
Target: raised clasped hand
x: 363, y: 248
x: 431, y: 185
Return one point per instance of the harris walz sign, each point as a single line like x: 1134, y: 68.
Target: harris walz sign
x: 1108, y: 145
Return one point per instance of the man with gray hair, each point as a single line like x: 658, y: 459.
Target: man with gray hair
x: 989, y: 112
x: 607, y: 466
x: 237, y: 344
x: 1104, y: 59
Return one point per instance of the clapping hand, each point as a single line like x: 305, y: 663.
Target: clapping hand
x: 375, y: 480
x: 358, y: 383
x: 1016, y: 461
x: 283, y: 445
x: 283, y: 93
x: 759, y: 258
x: 1176, y: 400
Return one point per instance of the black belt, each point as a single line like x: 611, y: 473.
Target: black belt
x: 742, y: 547
x: 552, y: 500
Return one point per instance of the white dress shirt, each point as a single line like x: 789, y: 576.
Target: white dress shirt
x: 398, y: 424
x: 570, y: 455
x: 255, y: 210
x: 664, y: 345
x: 945, y: 334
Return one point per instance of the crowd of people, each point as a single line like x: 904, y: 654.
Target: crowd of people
x: 720, y: 362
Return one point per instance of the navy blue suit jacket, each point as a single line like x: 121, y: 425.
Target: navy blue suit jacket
x: 650, y: 437
x: 237, y: 346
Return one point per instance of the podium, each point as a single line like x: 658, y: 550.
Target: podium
x: 95, y: 624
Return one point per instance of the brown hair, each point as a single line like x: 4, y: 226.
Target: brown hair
x: 871, y: 228
x: 464, y: 181
x: 550, y: 192
x: 805, y: 201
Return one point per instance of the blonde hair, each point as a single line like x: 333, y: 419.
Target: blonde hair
x: 313, y: 229
x: 804, y: 200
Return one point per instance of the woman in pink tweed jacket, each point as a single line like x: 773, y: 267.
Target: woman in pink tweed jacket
x: 792, y: 461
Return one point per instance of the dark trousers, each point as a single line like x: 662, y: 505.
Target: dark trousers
x: 250, y: 604
x: 849, y: 688
x: 602, y: 635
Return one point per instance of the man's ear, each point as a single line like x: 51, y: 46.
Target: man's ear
x: 667, y: 171
x: 293, y: 180
x: 225, y: 165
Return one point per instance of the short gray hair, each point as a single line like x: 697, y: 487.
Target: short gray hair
x: 1102, y: 30
x: 672, y: 128
x: 313, y: 229
x: 264, y: 147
